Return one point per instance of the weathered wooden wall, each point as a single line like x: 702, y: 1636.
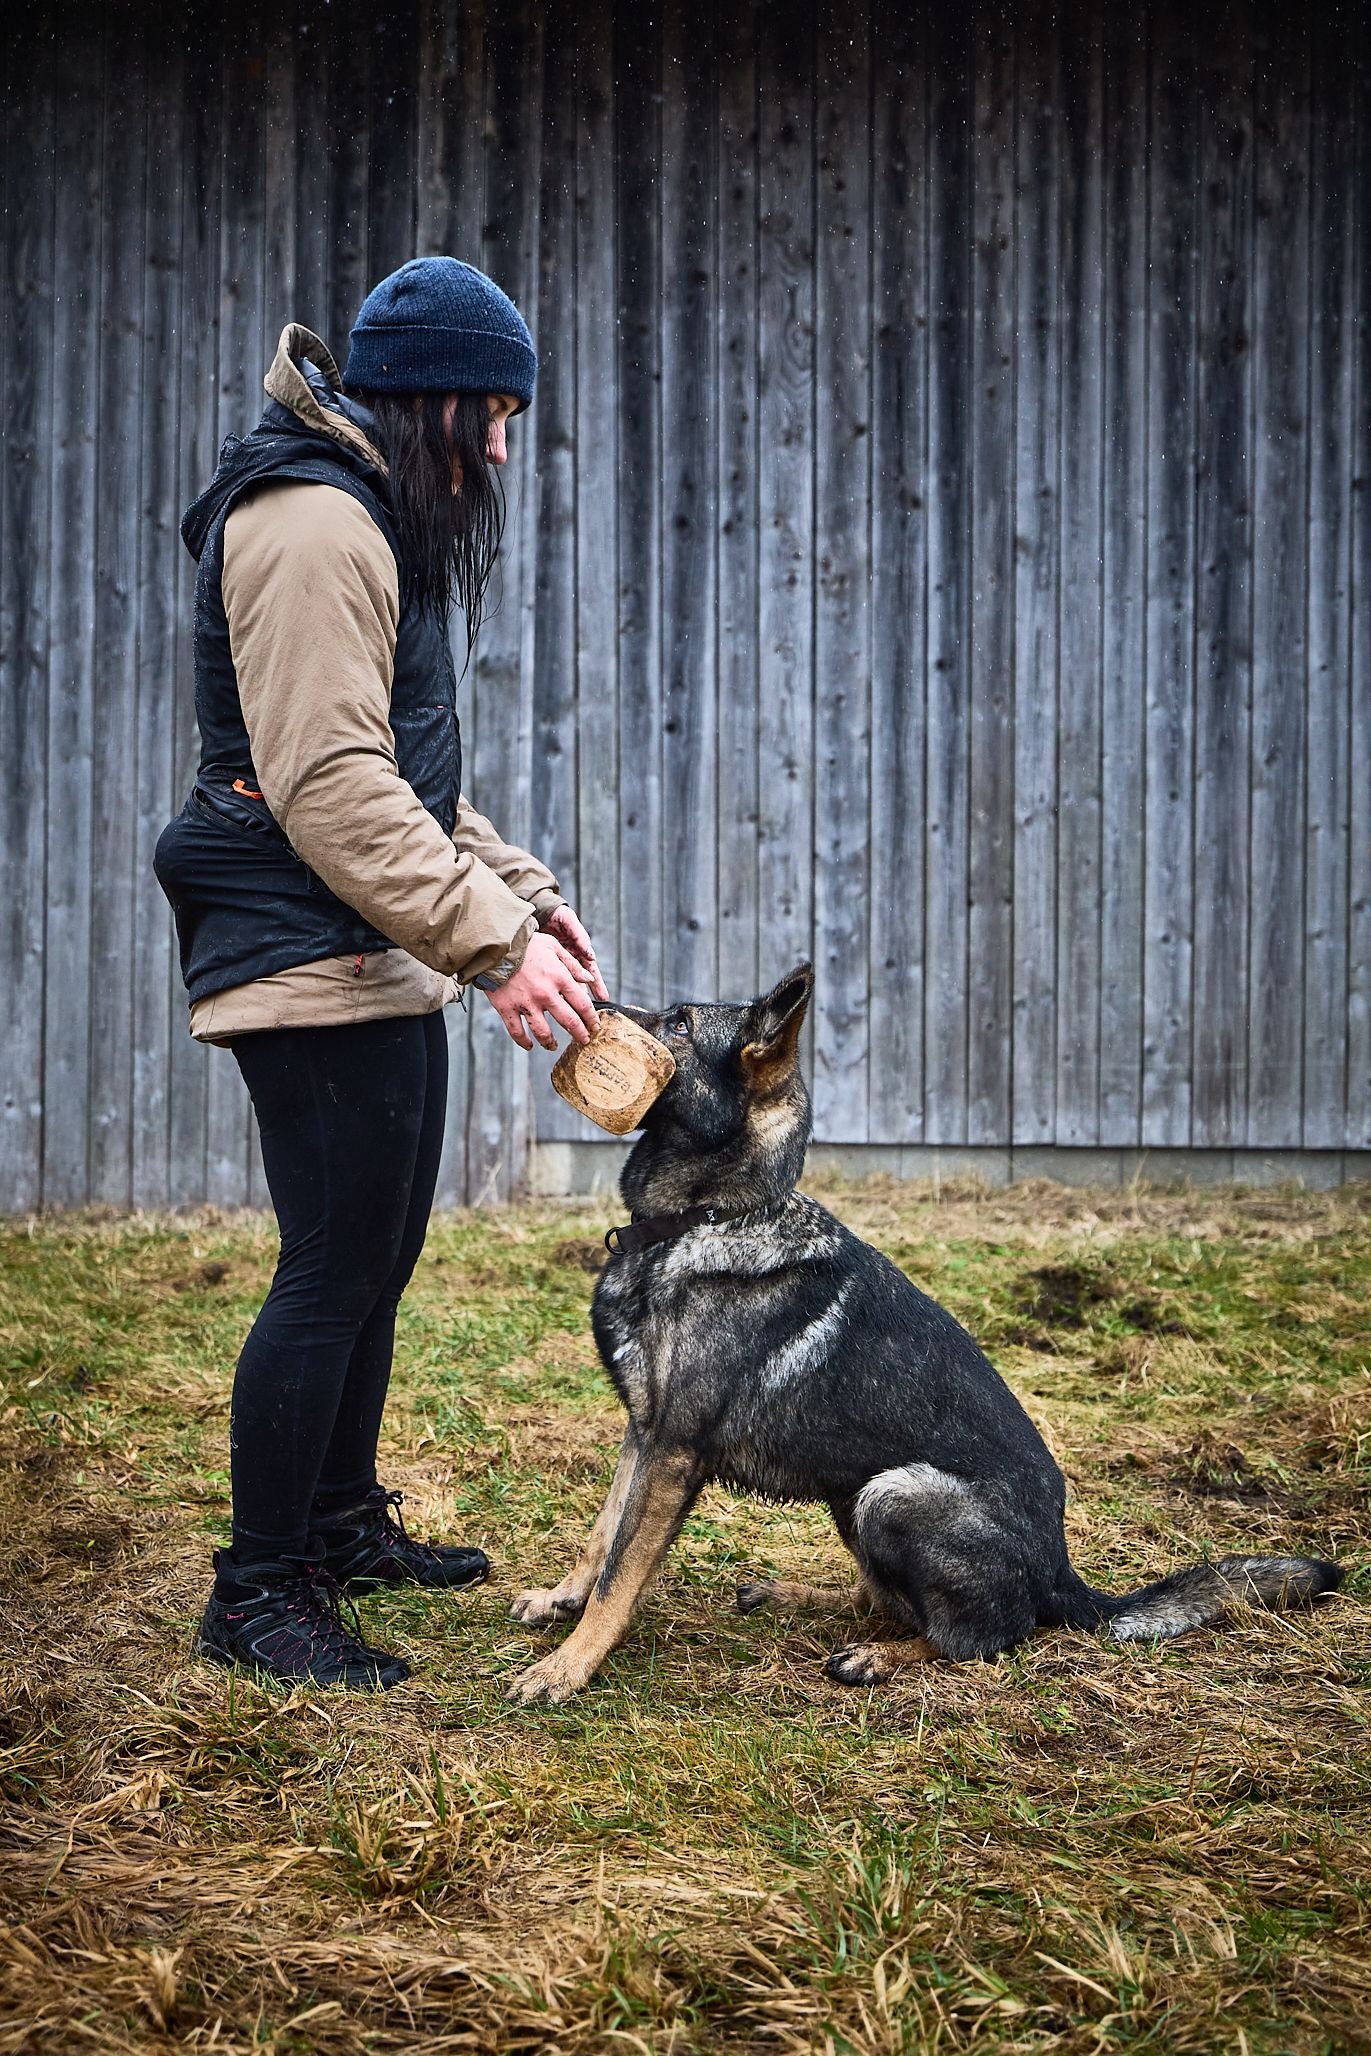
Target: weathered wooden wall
x: 941, y: 544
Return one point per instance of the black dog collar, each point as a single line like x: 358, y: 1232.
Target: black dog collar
x: 650, y: 1228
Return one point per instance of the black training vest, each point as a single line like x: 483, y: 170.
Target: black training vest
x: 245, y: 904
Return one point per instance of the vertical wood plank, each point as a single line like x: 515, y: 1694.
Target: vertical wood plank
x: 242, y: 294
x: 951, y: 231
x: 530, y: 152
x: 842, y: 584
x: 899, y: 560
x: 280, y: 214
x: 71, y: 645
x: 349, y: 196
x: 737, y: 460
x: 1169, y: 831
x: 1280, y: 450
x: 157, y: 995
x: 1035, y: 578
x: 638, y: 264
x: 1329, y: 806
x: 25, y: 521
x: 310, y: 59
x: 279, y: 302
x: 599, y: 465
x: 118, y: 508
x: 1081, y: 598
x: 497, y: 1120
x: 198, y: 444
x: 990, y: 867
x: 785, y: 67
x: 688, y: 496
x: 1223, y: 588
x: 1123, y: 622
x: 452, y: 142
x: 451, y: 209
x: 392, y: 141
x: 556, y: 753
x: 1358, y: 1132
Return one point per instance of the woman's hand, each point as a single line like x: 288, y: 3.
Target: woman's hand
x: 549, y: 985
x: 571, y: 933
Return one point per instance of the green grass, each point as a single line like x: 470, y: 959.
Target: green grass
x: 1080, y: 1847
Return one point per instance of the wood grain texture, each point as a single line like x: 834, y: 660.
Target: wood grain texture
x: 1280, y: 452
x: 1081, y: 157
x: 495, y: 1077
x: 738, y: 462
x: 1335, y: 810
x: 308, y: 68
x: 1170, y: 720
x: 118, y: 511
x: 637, y: 160
x: 951, y: 232
x: 81, y: 113
x: 279, y: 303
x: 556, y: 739
x: 1036, y: 577
x: 157, y: 995
x: 991, y: 434
x: 26, y: 485
x: 785, y: 654
x: 899, y: 570
x: 1223, y: 585
x: 454, y: 212
x: 843, y: 489
x: 392, y: 143
x: 350, y: 113
x: 688, y: 489
x: 229, y: 1127
x: 599, y: 461
x: 1358, y: 1129
x: 938, y: 544
x: 1123, y: 627
x: 202, y: 203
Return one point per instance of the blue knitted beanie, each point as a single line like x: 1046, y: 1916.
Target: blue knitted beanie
x: 440, y: 326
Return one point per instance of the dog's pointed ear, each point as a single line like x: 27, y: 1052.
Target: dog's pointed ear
x: 769, y: 1053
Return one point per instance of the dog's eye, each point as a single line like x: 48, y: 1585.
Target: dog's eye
x: 680, y: 1026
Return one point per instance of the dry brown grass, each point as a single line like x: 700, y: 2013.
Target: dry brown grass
x: 715, y: 1849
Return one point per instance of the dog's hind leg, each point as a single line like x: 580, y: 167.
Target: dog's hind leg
x: 939, y: 1562
x: 565, y: 1602
x: 872, y: 1663
x: 759, y: 1592
x: 660, y: 1493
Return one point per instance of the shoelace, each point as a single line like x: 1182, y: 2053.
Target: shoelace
x: 319, y: 1609
x: 396, y: 1533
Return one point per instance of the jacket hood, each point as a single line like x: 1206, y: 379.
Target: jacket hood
x: 305, y: 400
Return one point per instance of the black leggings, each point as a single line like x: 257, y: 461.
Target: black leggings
x: 351, y: 1121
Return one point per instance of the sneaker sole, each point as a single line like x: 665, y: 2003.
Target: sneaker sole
x: 211, y: 1653
x: 362, y: 1586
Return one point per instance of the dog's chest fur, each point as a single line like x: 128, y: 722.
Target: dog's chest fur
x: 714, y: 1340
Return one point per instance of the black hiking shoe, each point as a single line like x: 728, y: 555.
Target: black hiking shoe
x: 285, y: 1621
x: 367, y: 1546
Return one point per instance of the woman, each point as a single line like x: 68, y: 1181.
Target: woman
x: 333, y: 889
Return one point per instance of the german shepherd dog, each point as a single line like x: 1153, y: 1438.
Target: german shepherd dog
x: 756, y: 1342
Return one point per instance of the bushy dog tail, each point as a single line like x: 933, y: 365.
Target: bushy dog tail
x: 1208, y: 1593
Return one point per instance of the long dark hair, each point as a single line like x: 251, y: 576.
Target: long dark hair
x: 449, y: 540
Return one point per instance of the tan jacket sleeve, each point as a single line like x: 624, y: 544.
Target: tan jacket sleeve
x: 521, y: 872
x: 312, y: 599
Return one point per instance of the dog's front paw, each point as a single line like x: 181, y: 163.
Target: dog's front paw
x: 545, y: 1609
x: 862, y: 1663
x: 546, y: 1683
x: 755, y: 1593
